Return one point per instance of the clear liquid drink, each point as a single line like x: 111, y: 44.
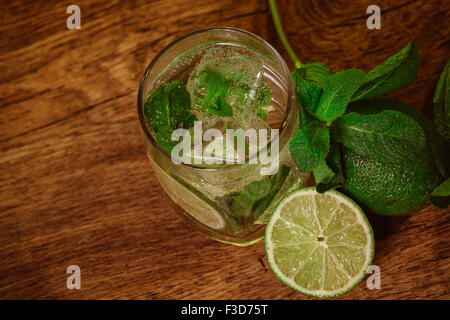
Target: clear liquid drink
x: 232, y: 80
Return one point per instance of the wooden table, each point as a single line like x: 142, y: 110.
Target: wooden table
x: 76, y: 186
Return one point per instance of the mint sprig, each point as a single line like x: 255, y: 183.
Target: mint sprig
x: 322, y: 102
x: 388, y: 137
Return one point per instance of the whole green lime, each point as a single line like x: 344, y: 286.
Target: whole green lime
x: 390, y: 189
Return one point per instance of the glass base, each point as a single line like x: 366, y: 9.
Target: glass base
x: 240, y: 244
x: 246, y: 240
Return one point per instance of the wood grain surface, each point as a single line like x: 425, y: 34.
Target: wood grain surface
x: 76, y: 186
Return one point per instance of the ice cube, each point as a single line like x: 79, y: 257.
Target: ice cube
x: 245, y: 91
x: 243, y: 75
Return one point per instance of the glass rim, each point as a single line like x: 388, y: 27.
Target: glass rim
x: 142, y: 120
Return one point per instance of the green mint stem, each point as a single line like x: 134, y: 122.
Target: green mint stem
x: 284, y: 40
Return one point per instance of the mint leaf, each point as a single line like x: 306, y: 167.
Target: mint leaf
x: 257, y: 195
x: 316, y: 72
x: 179, y: 101
x: 163, y: 138
x: 263, y: 95
x: 440, y: 197
x: 389, y: 136
x: 220, y: 108
x: 310, y: 146
x: 324, y: 179
x: 338, y: 91
x: 215, y: 88
x: 262, y: 100
x: 436, y: 147
x: 323, y: 173
x: 396, y: 72
x: 167, y: 108
x: 440, y: 87
x: 244, y: 201
x: 441, y: 102
x: 156, y: 109
x: 307, y: 92
x: 188, y: 122
x: 309, y: 80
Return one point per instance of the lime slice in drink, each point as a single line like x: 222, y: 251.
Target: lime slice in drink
x: 189, y: 201
x: 319, y: 244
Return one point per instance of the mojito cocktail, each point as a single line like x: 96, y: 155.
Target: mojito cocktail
x: 218, y: 110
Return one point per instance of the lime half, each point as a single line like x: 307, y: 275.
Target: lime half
x: 319, y: 244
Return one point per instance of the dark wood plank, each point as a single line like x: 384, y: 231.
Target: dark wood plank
x: 76, y: 187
